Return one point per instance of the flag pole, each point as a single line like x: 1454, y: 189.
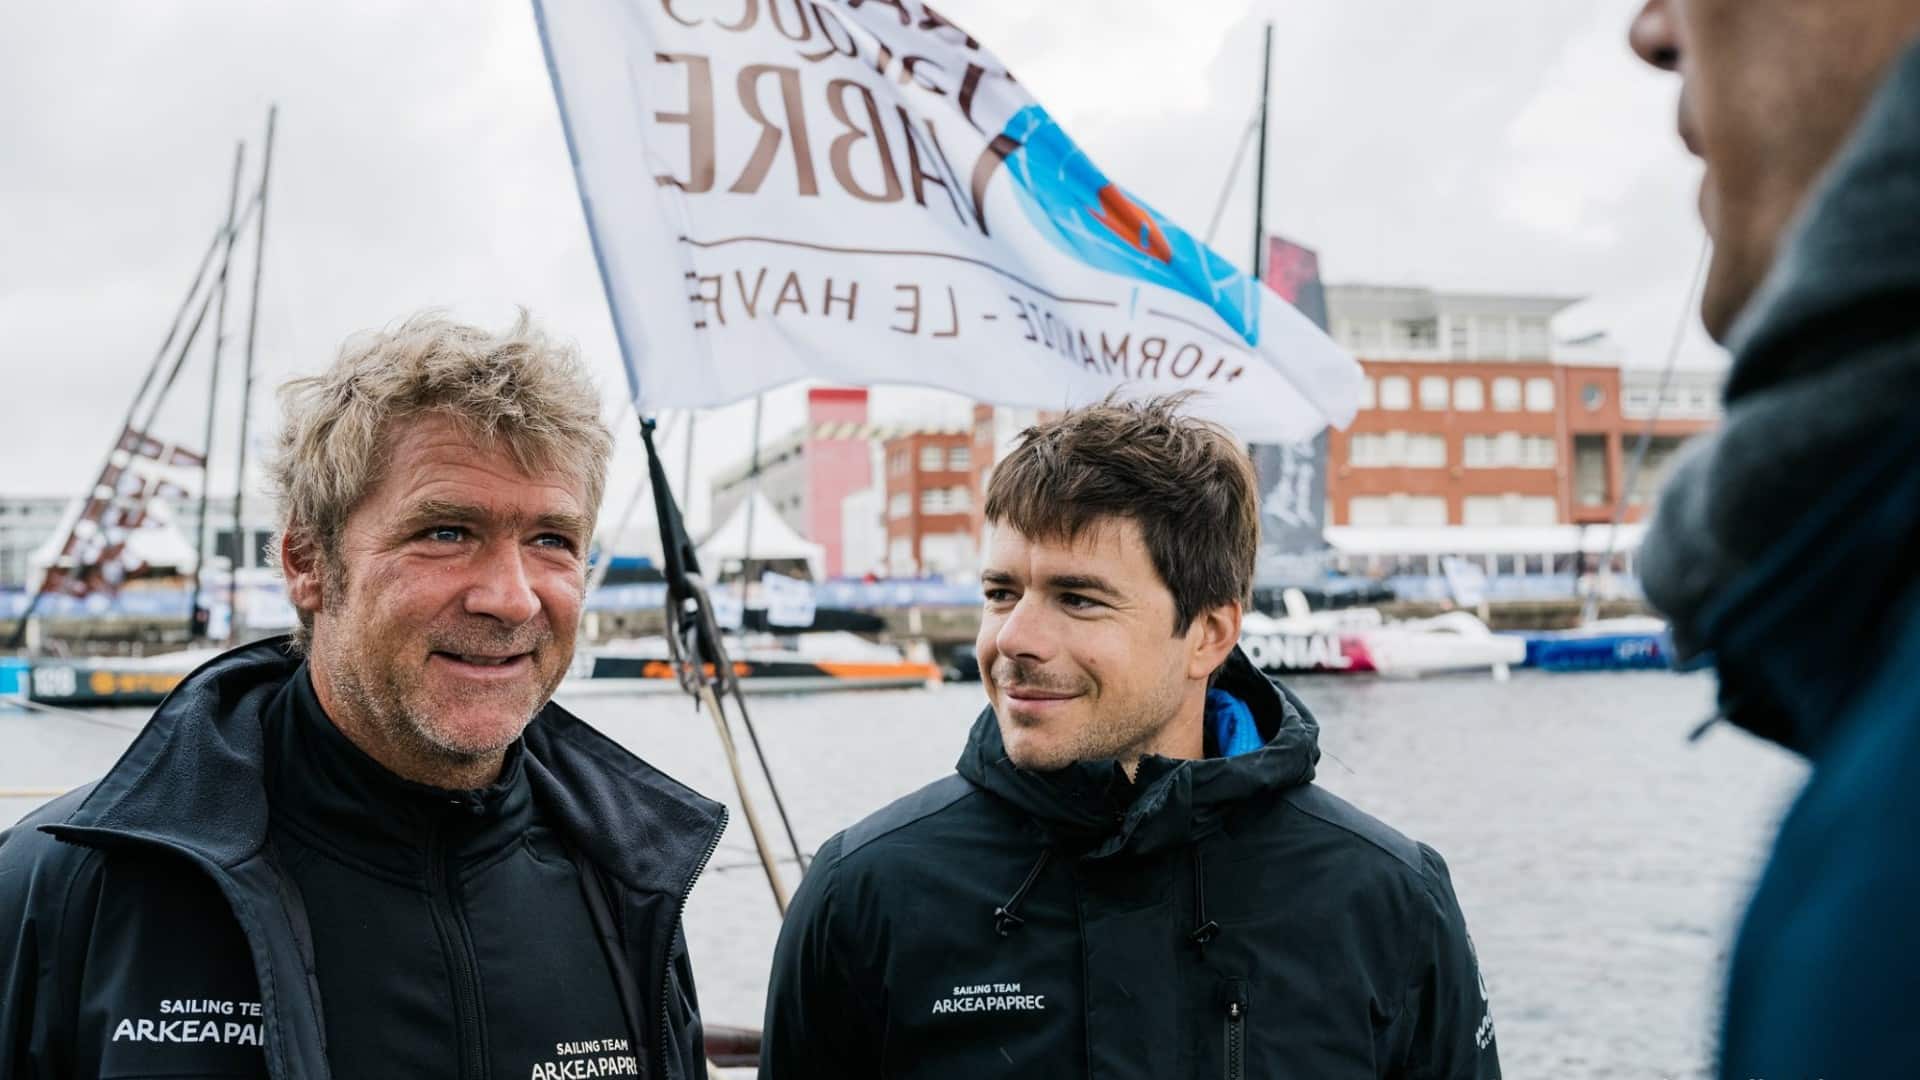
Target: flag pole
x: 692, y: 637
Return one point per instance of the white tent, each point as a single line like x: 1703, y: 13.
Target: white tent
x: 773, y: 539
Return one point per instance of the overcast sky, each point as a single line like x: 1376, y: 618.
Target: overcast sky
x: 1500, y: 145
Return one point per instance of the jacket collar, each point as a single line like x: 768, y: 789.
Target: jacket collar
x: 194, y: 779
x: 320, y: 781
x: 1781, y: 539
x: 1092, y: 806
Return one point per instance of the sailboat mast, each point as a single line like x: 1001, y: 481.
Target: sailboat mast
x: 133, y: 410
x: 213, y: 392
x: 1260, y: 165
x: 240, y: 545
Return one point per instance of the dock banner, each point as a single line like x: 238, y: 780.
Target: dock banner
x: 1293, y: 476
x: 858, y: 191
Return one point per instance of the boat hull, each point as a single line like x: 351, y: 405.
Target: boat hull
x: 651, y: 674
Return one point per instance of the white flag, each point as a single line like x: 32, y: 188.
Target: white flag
x: 858, y: 191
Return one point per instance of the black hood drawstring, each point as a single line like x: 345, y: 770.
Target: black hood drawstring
x: 1207, y: 929
x: 1004, y: 918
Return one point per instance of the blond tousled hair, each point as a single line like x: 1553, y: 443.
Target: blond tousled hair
x: 518, y: 390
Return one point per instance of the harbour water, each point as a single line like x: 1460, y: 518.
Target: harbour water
x: 1602, y: 860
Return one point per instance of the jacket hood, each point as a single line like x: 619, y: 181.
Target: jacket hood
x: 1091, y: 806
x: 1782, y: 540
x: 194, y: 779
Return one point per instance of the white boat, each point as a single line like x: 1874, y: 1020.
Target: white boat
x: 1452, y: 641
x: 1360, y: 640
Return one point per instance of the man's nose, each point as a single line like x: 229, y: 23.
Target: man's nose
x: 1026, y: 632
x: 501, y: 587
x: 1654, y: 35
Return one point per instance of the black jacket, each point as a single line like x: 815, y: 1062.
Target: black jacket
x: 1221, y: 917
x: 164, y: 920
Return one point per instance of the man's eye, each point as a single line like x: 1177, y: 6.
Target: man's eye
x: 998, y: 596
x: 555, y: 541
x: 1076, y: 602
x: 445, y: 534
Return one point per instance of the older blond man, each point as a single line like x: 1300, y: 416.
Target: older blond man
x: 377, y: 848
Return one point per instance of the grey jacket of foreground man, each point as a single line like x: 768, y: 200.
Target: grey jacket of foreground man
x: 1220, y: 918
x: 1787, y: 548
x: 118, y: 897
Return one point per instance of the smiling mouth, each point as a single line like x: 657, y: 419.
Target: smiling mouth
x: 481, y: 661
x: 1036, y: 697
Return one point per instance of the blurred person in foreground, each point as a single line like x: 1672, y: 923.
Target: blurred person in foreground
x: 1132, y: 873
x: 377, y: 848
x: 1786, y: 547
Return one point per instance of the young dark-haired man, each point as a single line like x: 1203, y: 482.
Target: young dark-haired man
x: 1131, y: 874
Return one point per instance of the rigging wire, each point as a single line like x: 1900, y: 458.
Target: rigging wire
x: 1233, y: 176
x: 746, y: 570
x: 1590, y: 610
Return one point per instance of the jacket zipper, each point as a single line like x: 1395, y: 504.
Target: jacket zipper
x: 666, y: 971
x: 1236, y: 1030
x: 456, y: 940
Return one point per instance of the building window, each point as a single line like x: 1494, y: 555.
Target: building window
x: 1509, y: 450
x: 1459, y: 338
x: 1368, y: 395
x: 1590, y: 470
x: 1494, y: 340
x: 1387, y: 511
x: 1506, y: 394
x: 933, y: 501
x: 1398, y: 449
x: 960, y: 459
x: 1396, y: 393
x: 1365, y: 337
x: 1469, y: 394
x: 900, y: 505
x: 1533, y: 340
x: 1510, y: 509
x: 1433, y: 393
x: 1418, y: 335
x: 931, y: 458
x: 1540, y: 395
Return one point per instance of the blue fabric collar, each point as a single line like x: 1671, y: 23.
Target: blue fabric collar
x: 1231, y: 730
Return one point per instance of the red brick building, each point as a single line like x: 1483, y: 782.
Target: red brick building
x: 932, y: 500
x: 1473, y: 415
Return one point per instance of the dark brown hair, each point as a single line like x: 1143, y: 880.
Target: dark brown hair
x: 1187, y: 483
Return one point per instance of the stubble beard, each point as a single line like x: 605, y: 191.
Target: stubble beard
x: 400, y: 708
x: 1119, y: 731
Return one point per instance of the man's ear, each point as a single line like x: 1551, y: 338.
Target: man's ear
x: 300, y: 567
x: 1211, y: 639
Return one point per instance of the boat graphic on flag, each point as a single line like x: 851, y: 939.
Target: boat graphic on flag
x: 860, y: 192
